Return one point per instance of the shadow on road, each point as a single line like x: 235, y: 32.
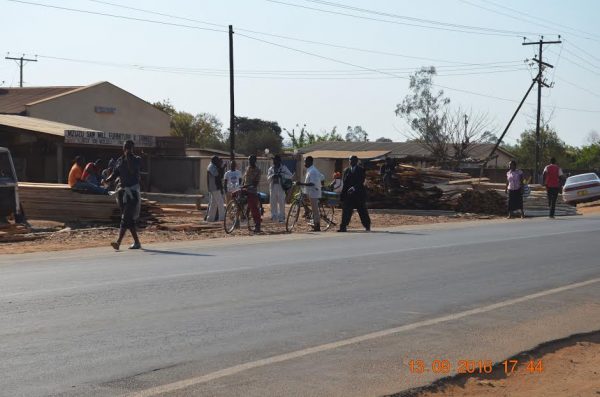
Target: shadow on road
x: 167, y: 252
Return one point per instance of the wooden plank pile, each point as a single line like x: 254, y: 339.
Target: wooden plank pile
x: 437, y: 189
x: 57, y: 202
x: 10, y: 232
x: 411, y: 187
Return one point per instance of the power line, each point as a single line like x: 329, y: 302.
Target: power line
x: 117, y: 16
x: 21, y: 62
x: 579, y: 87
x: 156, y: 13
x: 515, y: 17
x: 481, y: 68
x: 489, y: 33
x: 402, y: 77
x: 420, y: 20
x: 578, y: 64
x: 339, y: 46
x: 582, y: 59
x: 582, y: 50
x: 541, y: 19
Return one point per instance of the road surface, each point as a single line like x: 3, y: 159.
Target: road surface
x: 296, y: 315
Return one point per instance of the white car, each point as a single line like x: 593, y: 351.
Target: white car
x: 581, y: 188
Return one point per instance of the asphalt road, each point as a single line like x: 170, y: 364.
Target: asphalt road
x: 294, y: 315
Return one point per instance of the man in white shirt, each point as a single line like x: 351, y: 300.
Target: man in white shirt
x: 233, y: 179
x: 275, y: 176
x: 215, y: 189
x: 312, y: 189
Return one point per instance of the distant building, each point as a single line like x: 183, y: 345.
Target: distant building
x: 46, y: 127
x: 333, y: 156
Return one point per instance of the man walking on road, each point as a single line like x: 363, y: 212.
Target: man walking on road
x: 354, y: 195
x: 552, y: 180
x: 216, y: 207
x: 276, y: 175
x: 129, y: 199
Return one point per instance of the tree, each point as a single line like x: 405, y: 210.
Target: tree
x: 588, y: 157
x: 253, y: 136
x: 593, y: 137
x: 209, y: 131
x: 425, y: 112
x: 466, y: 131
x: 383, y: 139
x: 550, y: 146
x: 356, y: 134
x: 305, y: 138
x: 166, y: 106
x: 203, y: 130
x: 450, y: 135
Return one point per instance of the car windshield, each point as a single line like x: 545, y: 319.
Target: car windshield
x: 6, y: 172
x: 582, y: 178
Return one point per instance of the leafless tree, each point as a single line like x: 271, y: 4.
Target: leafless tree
x: 466, y: 130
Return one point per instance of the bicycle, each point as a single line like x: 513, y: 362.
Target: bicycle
x: 300, y: 201
x: 237, y: 211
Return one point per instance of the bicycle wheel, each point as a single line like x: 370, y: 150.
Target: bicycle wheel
x: 232, y: 217
x: 292, y: 217
x: 327, y: 212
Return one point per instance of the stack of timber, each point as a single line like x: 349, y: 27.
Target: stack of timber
x: 437, y: 189
x: 411, y: 187
x: 537, y: 205
x: 57, y: 202
x: 10, y: 232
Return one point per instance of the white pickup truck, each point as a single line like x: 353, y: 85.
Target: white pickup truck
x: 9, y: 194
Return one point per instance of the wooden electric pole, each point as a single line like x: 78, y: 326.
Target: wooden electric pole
x: 540, y: 82
x: 21, y: 61
x: 231, y: 98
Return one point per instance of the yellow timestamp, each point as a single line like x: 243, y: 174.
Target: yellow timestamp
x: 467, y: 366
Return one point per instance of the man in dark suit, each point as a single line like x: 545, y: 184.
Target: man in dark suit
x: 354, y: 195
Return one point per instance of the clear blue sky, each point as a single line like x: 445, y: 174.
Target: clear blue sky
x: 291, y: 87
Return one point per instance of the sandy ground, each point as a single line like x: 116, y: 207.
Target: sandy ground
x: 570, y: 367
x: 54, y: 236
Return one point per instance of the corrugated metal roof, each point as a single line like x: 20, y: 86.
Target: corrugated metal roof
x: 340, y: 154
x: 14, y: 100
x: 37, y: 125
x: 395, y: 149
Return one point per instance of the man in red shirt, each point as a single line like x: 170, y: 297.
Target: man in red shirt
x: 552, y: 180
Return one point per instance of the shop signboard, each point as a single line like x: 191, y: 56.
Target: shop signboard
x: 100, y: 138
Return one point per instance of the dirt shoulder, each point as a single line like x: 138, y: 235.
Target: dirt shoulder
x: 569, y: 367
x: 190, y: 226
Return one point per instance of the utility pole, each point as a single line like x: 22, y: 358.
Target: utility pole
x: 231, y: 98
x: 540, y: 82
x: 21, y: 64
x: 489, y: 157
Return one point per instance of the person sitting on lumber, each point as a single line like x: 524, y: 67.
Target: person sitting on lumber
x: 91, y: 173
x: 77, y: 182
x: 106, y: 173
x: 129, y: 199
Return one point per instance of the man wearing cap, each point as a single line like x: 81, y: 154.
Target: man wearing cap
x: 354, y: 195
